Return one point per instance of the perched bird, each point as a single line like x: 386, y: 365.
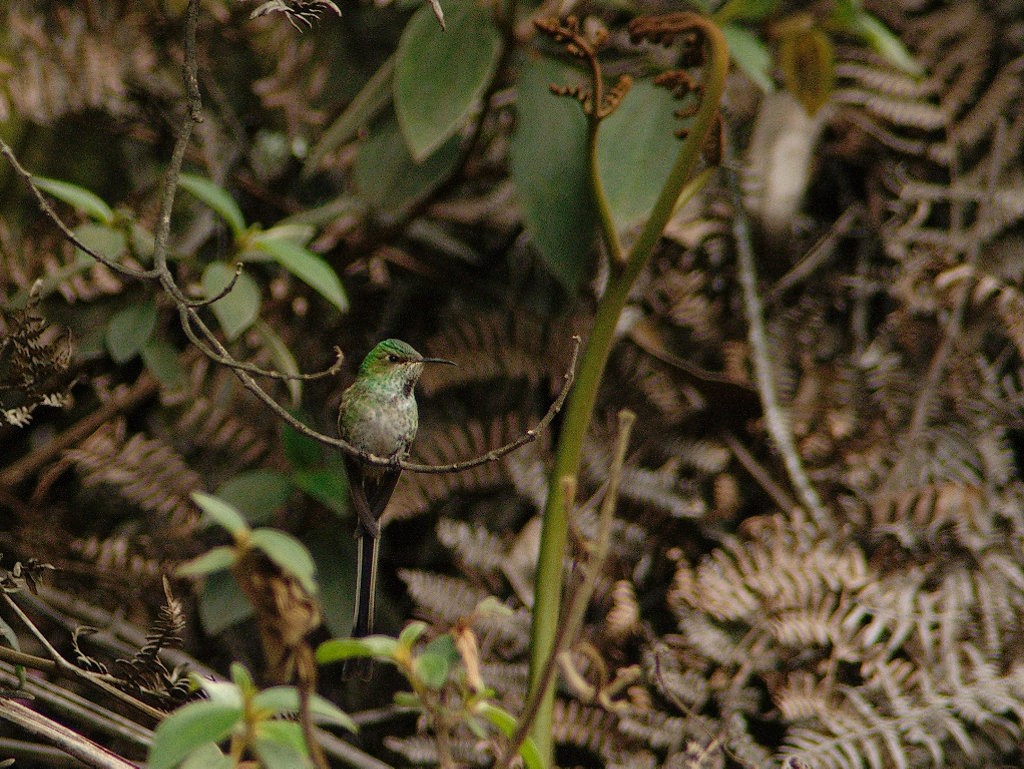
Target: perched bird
x: 378, y: 415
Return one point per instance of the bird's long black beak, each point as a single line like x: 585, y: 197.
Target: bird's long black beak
x: 439, y: 360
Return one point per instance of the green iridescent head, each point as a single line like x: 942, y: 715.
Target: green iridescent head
x: 395, y: 358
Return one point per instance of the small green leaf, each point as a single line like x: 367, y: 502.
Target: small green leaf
x: 551, y: 177
x: 142, y: 242
x: 129, y: 330
x: 301, y: 450
x: 434, y: 662
x: 284, y: 700
x: 9, y: 635
x: 242, y: 679
x: 306, y: 266
x: 440, y: 75
x: 221, y: 512
x: 223, y: 692
x: 884, y: 42
x: 289, y: 554
x: 506, y: 723
x: 328, y: 486
x: 256, y: 494
x: 208, y: 756
x: 751, y: 55
x: 189, y: 728
x: 103, y: 240
x: 338, y: 649
x: 222, y: 603
x: 89, y: 203
x: 238, y: 309
x: 386, y: 175
x: 162, y: 361
x: 277, y: 700
x: 216, y: 198
x: 411, y: 633
x: 326, y: 712
x: 216, y: 559
x: 295, y: 232
x: 492, y: 606
x: 280, y: 745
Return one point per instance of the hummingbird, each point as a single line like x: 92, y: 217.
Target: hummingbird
x: 378, y: 415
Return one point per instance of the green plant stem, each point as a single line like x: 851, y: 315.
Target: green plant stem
x: 548, y: 581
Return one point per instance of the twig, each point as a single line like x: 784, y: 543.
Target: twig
x: 73, y: 671
x: 60, y: 700
x: 778, y: 424
x: 752, y: 466
x: 66, y: 739
x: 817, y: 253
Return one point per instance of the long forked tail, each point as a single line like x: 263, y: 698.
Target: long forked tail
x: 366, y: 590
x: 366, y: 585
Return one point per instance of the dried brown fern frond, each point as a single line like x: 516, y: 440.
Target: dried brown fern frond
x: 145, y: 471
x: 67, y: 60
x: 145, y: 673
x: 499, y: 345
x: 780, y: 568
x: 34, y: 362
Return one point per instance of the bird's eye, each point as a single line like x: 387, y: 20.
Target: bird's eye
x: 393, y: 358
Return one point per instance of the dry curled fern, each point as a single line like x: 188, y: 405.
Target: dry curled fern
x: 34, y: 362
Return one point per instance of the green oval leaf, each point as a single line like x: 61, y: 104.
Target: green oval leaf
x: 308, y: 267
x: 221, y: 512
x: 328, y: 486
x: 189, y: 728
x: 101, y: 239
x: 162, y: 361
x: 411, y: 633
x: 216, y: 559
x: 280, y: 745
x: 506, y: 723
x: 635, y: 151
x: 338, y: 649
x: 216, y: 198
x: 885, y: 42
x: 751, y: 55
x: 284, y: 700
x: 89, y: 203
x: 208, y: 756
x: 129, y: 330
x: 289, y: 554
x: 551, y: 176
x: 436, y: 660
x: 256, y: 494
x: 238, y: 309
x: 386, y: 175
x: 222, y: 603
x: 440, y: 75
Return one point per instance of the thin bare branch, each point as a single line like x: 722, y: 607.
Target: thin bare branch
x: 757, y: 335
